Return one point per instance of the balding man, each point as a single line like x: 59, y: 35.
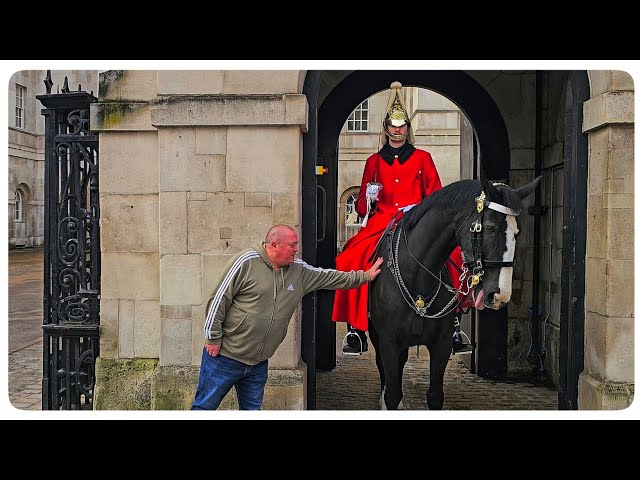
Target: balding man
x: 249, y: 312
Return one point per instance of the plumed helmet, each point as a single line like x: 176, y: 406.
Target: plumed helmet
x: 397, y: 114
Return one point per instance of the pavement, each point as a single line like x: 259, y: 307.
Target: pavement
x: 352, y: 385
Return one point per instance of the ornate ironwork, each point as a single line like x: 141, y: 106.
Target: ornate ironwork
x: 72, y: 251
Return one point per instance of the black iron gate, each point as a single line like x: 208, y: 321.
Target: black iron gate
x: 574, y: 242
x: 72, y: 251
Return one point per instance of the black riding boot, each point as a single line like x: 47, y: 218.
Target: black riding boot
x: 355, y: 342
x: 459, y: 345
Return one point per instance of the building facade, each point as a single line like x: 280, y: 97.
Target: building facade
x: 26, y: 151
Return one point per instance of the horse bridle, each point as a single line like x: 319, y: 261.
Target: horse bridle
x: 476, y: 238
x: 418, y: 304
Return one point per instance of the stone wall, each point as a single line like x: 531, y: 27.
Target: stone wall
x: 607, y: 382
x: 197, y: 165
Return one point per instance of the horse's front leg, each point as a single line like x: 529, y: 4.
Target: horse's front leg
x: 373, y: 336
x: 393, y: 361
x: 439, y: 357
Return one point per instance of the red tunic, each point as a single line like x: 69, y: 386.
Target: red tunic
x: 402, y: 184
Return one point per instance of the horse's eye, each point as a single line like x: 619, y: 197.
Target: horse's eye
x: 490, y: 229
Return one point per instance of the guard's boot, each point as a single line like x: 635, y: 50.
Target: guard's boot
x: 354, y: 343
x: 459, y: 345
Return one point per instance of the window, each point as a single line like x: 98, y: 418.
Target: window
x: 19, y: 205
x: 20, y: 91
x: 352, y: 222
x: 358, y: 121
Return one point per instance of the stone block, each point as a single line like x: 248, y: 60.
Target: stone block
x: 620, y: 282
x: 597, y: 228
x: 621, y: 235
x: 522, y: 158
x: 596, y: 292
x: 109, y: 328
x: 250, y: 151
x: 609, y: 348
x: 296, y: 111
x: 175, y: 311
x: 128, y: 85
x: 212, y: 270
x: 606, y: 109
x: 182, y: 169
x: 126, y: 322
x: 230, y: 110
x: 128, y: 163
x: 173, y: 222
x: 225, y: 210
x: 596, y: 395
x: 180, y: 280
x: 598, y: 161
x: 257, y: 199
x: 190, y: 82
x: 175, y: 343
x: 123, y: 384
x: 621, y: 81
x: 198, y: 314
x: 120, y: 117
x: 173, y: 387
x: 129, y: 223
x: 130, y: 276
x: 226, y: 233
x: 286, y: 209
x: 146, y: 329
x: 211, y: 141
x: 261, y: 82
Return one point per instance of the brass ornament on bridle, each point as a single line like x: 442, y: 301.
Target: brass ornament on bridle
x: 480, y: 202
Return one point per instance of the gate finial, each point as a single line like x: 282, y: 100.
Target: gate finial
x: 65, y: 87
x: 48, y: 83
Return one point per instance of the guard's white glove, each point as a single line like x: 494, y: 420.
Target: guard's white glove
x: 372, y: 191
x: 372, y: 196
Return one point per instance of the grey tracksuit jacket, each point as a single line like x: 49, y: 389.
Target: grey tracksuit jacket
x: 252, y: 304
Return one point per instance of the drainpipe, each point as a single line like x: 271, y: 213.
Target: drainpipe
x: 537, y: 210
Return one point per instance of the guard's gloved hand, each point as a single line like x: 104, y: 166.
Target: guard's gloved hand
x: 373, y: 188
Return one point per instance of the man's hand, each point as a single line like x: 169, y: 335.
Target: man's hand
x: 212, y: 350
x: 375, y: 268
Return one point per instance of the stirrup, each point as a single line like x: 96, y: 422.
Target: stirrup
x: 345, y: 343
x: 465, y: 348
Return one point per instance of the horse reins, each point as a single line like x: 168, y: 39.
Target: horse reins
x: 418, y: 304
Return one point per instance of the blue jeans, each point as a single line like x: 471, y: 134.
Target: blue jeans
x: 218, y: 374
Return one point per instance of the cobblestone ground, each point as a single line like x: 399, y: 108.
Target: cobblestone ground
x: 25, y: 374
x: 354, y: 385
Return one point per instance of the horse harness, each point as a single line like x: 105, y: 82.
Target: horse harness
x: 418, y: 304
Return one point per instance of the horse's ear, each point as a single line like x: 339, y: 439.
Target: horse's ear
x: 489, y: 189
x: 528, y: 188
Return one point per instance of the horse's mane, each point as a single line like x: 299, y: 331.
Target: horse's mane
x: 462, y: 193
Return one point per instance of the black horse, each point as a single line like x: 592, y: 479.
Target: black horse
x: 411, y: 302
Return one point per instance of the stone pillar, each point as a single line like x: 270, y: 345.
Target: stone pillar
x: 222, y: 164
x: 607, y: 382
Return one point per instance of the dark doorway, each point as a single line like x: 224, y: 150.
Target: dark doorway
x: 330, y: 103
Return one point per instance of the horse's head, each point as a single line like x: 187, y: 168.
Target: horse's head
x: 488, y: 241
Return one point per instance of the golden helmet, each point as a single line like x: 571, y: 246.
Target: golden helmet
x: 397, y: 114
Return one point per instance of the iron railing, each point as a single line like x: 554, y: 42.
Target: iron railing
x: 72, y: 251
